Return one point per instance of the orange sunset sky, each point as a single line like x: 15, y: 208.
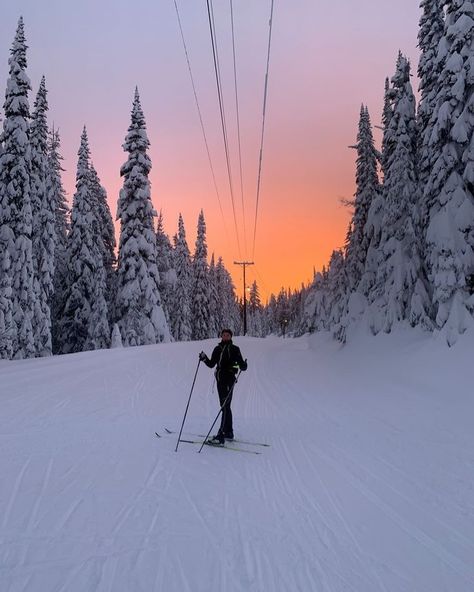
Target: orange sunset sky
x: 325, y: 60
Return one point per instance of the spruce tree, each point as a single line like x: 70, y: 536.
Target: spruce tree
x: 228, y: 313
x: 44, y: 231
x: 399, y: 274
x: 387, y: 113
x: 164, y: 261
x: 106, y: 233
x: 84, y: 323
x: 255, y: 320
x: 15, y: 208
x: 449, y: 191
x: 201, y: 289
x: 180, y: 309
x: 214, y: 321
x: 373, y: 227
x: 57, y: 197
x: 336, y: 290
x: 367, y: 188
x: 429, y: 37
x: 6, y: 305
x: 138, y: 309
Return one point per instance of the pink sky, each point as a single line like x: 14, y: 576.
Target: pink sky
x: 325, y: 61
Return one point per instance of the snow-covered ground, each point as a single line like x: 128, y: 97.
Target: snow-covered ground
x: 367, y: 486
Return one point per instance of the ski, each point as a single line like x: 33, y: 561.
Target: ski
x: 234, y: 448
x: 224, y: 447
x: 235, y: 440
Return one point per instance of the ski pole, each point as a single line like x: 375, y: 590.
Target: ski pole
x: 187, y: 406
x: 221, y: 409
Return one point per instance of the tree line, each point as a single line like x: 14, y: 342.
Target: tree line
x: 408, y: 257
x: 65, y: 286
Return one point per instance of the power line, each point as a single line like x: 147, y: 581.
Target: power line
x: 210, y: 13
x: 263, y: 127
x: 200, y: 118
x: 238, y: 125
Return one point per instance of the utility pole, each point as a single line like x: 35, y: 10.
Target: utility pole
x: 244, y: 265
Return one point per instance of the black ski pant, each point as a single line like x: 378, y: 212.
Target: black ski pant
x: 225, y: 388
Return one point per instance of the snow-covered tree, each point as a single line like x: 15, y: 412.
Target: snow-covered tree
x: 180, y: 309
x: 431, y: 60
x: 399, y: 272
x: 44, y: 230
x: 84, y: 322
x: 116, y: 341
x: 255, y: 320
x: 15, y: 205
x: 228, y: 313
x: 387, y: 113
x: 214, y: 324
x: 271, y: 316
x: 164, y: 261
x: 316, y: 305
x: 367, y: 188
x: 373, y: 226
x: 6, y: 305
x: 57, y: 197
x: 336, y: 292
x: 138, y: 309
x: 449, y: 191
x: 106, y: 232
x: 201, y: 288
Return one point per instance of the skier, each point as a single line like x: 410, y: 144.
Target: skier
x: 228, y: 359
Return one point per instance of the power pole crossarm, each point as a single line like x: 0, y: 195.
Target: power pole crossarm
x: 244, y: 265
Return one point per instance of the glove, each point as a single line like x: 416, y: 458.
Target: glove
x: 244, y: 366
x: 202, y: 357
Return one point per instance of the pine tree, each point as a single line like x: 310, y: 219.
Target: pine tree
x: 15, y: 207
x: 106, y: 232
x: 44, y: 231
x: 228, y: 313
x: 336, y: 290
x: 450, y: 188
x: 84, y: 323
x: 271, y: 316
x: 180, y: 310
x: 373, y: 226
x: 367, y: 188
x: 6, y: 305
x: 164, y: 261
x: 387, y: 113
x: 201, y: 288
x: 214, y: 324
x: 316, y: 306
x: 429, y: 37
x: 138, y: 309
x: 399, y: 274
x: 255, y: 312
x: 57, y: 197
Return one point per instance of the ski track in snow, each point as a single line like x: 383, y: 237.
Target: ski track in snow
x: 366, y: 485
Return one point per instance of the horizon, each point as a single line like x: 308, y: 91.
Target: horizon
x: 311, y: 120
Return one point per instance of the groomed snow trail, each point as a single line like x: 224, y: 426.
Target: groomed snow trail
x: 366, y: 486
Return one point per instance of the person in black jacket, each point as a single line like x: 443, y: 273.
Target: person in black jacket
x: 228, y: 359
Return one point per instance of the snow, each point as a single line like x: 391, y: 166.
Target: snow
x: 366, y: 486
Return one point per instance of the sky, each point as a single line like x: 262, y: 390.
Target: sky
x: 326, y: 59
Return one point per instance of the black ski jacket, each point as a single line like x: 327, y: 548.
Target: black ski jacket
x: 228, y: 359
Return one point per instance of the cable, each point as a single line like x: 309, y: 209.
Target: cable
x: 238, y: 127
x: 263, y: 128
x: 201, y: 120
x: 210, y: 13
